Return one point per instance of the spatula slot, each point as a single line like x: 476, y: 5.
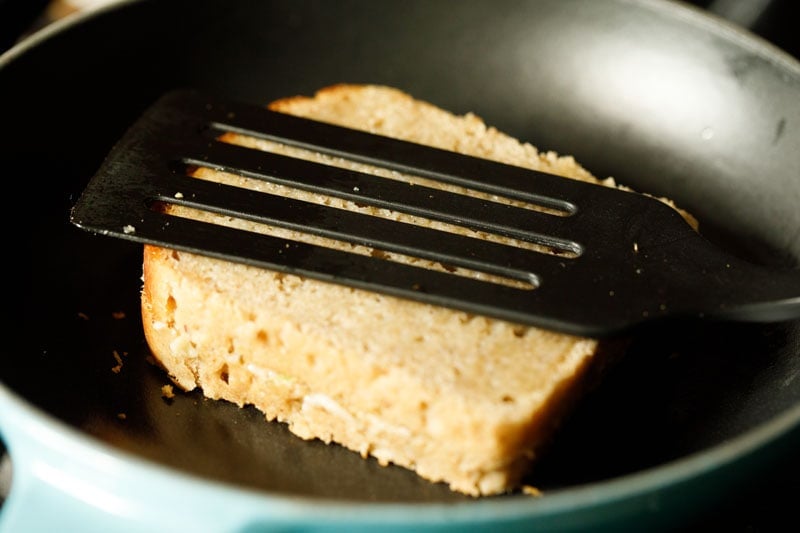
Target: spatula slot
x: 505, y: 277
x: 362, y: 188
x: 263, y: 207
x: 342, y: 161
x: 375, y: 201
x: 400, y: 156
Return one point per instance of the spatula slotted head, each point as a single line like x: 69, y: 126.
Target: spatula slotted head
x: 435, y: 226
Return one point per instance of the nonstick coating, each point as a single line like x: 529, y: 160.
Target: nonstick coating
x: 657, y: 95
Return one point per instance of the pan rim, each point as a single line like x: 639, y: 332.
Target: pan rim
x: 723, y: 28
x: 689, y: 13
x: 59, y: 26
x: 33, y: 428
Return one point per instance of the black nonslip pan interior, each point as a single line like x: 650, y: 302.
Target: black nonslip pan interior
x: 656, y: 94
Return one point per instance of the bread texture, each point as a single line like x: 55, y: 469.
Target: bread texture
x: 462, y: 399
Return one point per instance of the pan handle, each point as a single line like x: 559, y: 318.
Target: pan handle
x: 45, y: 479
x: 64, y: 480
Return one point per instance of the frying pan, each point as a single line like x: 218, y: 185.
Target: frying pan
x: 657, y: 94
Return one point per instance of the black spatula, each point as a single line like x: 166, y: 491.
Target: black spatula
x: 607, y: 261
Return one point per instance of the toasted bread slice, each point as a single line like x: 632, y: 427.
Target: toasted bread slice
x: 461, y: 399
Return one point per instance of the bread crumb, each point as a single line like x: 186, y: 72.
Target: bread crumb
x: 128, y: 229
x: 167, y: 392
x: 118, y: 315
x: 122, y: 416
x: 116, y: 369
x: 531, y: 491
